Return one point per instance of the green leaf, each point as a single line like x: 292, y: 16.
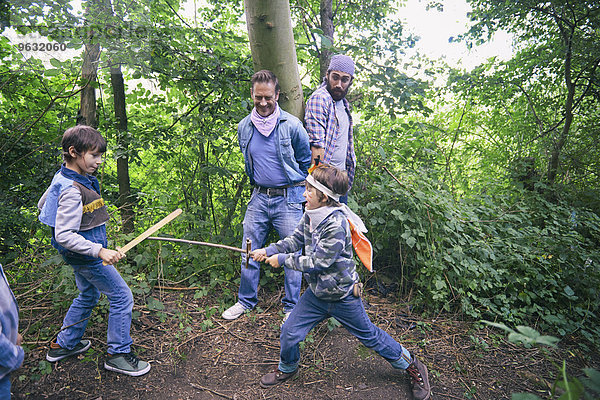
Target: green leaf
x: 592, y: 381
x: 155, y: 304
x: 547, y: 340
x: 528, y: 332
x: 514, y: 337
x: 52, y: 72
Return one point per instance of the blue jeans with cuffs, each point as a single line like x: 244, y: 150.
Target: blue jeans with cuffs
x: 92, y: 279
x: 351, y: 313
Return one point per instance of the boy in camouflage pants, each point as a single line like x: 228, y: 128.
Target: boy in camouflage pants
x: 329, y: 268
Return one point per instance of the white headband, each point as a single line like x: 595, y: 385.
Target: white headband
x: 322, y: 187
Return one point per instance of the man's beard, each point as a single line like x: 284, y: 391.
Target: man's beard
x: 336, y: 94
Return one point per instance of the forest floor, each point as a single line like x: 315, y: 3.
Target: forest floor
x: 227, y: 359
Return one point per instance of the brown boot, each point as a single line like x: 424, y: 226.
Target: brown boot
x: 419, y: 380
x: 275, y: 378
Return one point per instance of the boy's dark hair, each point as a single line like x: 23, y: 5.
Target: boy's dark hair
x: 83, y: 138
x: 265, y: 76
x: 332, y: 178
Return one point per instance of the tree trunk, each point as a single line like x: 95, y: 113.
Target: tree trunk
x: 328, y: 30
x: 94, y: 11
x: 125, y: 199
x: 564, y: 134
x: 87, y: 110
x: 273, y: 48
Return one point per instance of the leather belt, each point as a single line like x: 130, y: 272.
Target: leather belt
x: 271, y: 192
x: 278, y: 191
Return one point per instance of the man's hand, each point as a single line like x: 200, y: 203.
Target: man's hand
x: 317, y: 153
x: 110, y: 256
x: 273, y: 261
x: 258, y: 254
x: 19, y: 339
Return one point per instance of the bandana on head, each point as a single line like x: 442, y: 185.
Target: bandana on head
x: 355, y: 219
x: 265, y: 125
x: 342, y: 63
x: 322, y: 188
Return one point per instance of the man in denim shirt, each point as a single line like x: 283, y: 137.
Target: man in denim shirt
x: 277, y: 157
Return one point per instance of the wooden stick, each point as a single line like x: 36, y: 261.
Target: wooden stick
x: 248, y: 249
x: 149, y: 232
x: 222, y: 246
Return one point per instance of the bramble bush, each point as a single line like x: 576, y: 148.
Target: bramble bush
x: 514, y: 257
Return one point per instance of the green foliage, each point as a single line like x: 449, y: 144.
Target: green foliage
x: 30, y: 119
x: 43, y: 368
x: 526, y: 335
x: 473, y: 224
x: 543, y: 100
x: 566, y: 387
x: 514, y: 257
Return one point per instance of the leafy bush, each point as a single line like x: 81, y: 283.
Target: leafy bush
x: 514, y: 257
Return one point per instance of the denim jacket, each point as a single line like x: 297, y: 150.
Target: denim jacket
x: 11, y: 355
x: 293, y: 151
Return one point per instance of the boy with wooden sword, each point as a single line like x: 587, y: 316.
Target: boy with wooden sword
x: 75, y: 211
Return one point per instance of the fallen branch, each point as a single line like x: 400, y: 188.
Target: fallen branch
x: 210, y: 390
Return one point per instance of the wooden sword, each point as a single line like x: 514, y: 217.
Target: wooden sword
x: 221, y: 246
x: 149, y: 232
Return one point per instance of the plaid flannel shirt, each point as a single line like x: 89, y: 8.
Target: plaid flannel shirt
x: 323, y: 128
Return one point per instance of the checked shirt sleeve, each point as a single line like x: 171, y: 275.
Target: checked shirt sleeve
x: 315, y: 118
x: 11, y: 355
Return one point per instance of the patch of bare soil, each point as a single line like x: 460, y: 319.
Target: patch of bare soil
x: 227, y: 360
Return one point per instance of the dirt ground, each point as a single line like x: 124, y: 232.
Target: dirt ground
x: 227, y: 359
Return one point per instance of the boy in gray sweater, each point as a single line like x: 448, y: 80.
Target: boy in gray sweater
x: 75, y: 211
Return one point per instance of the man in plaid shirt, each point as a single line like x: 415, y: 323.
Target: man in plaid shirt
x: 328, y: 119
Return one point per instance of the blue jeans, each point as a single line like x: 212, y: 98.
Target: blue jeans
x: 93, y: 279
x: 5, y: 387
x: 351, y: 313
x: 263, y: 214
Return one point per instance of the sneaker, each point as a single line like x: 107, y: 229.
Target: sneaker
x: 57, y: 353
x: 419, y: 380
x: 126, y: 363
x: 286, y: 315
x: 275, y: 378
x: 234, y: 311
